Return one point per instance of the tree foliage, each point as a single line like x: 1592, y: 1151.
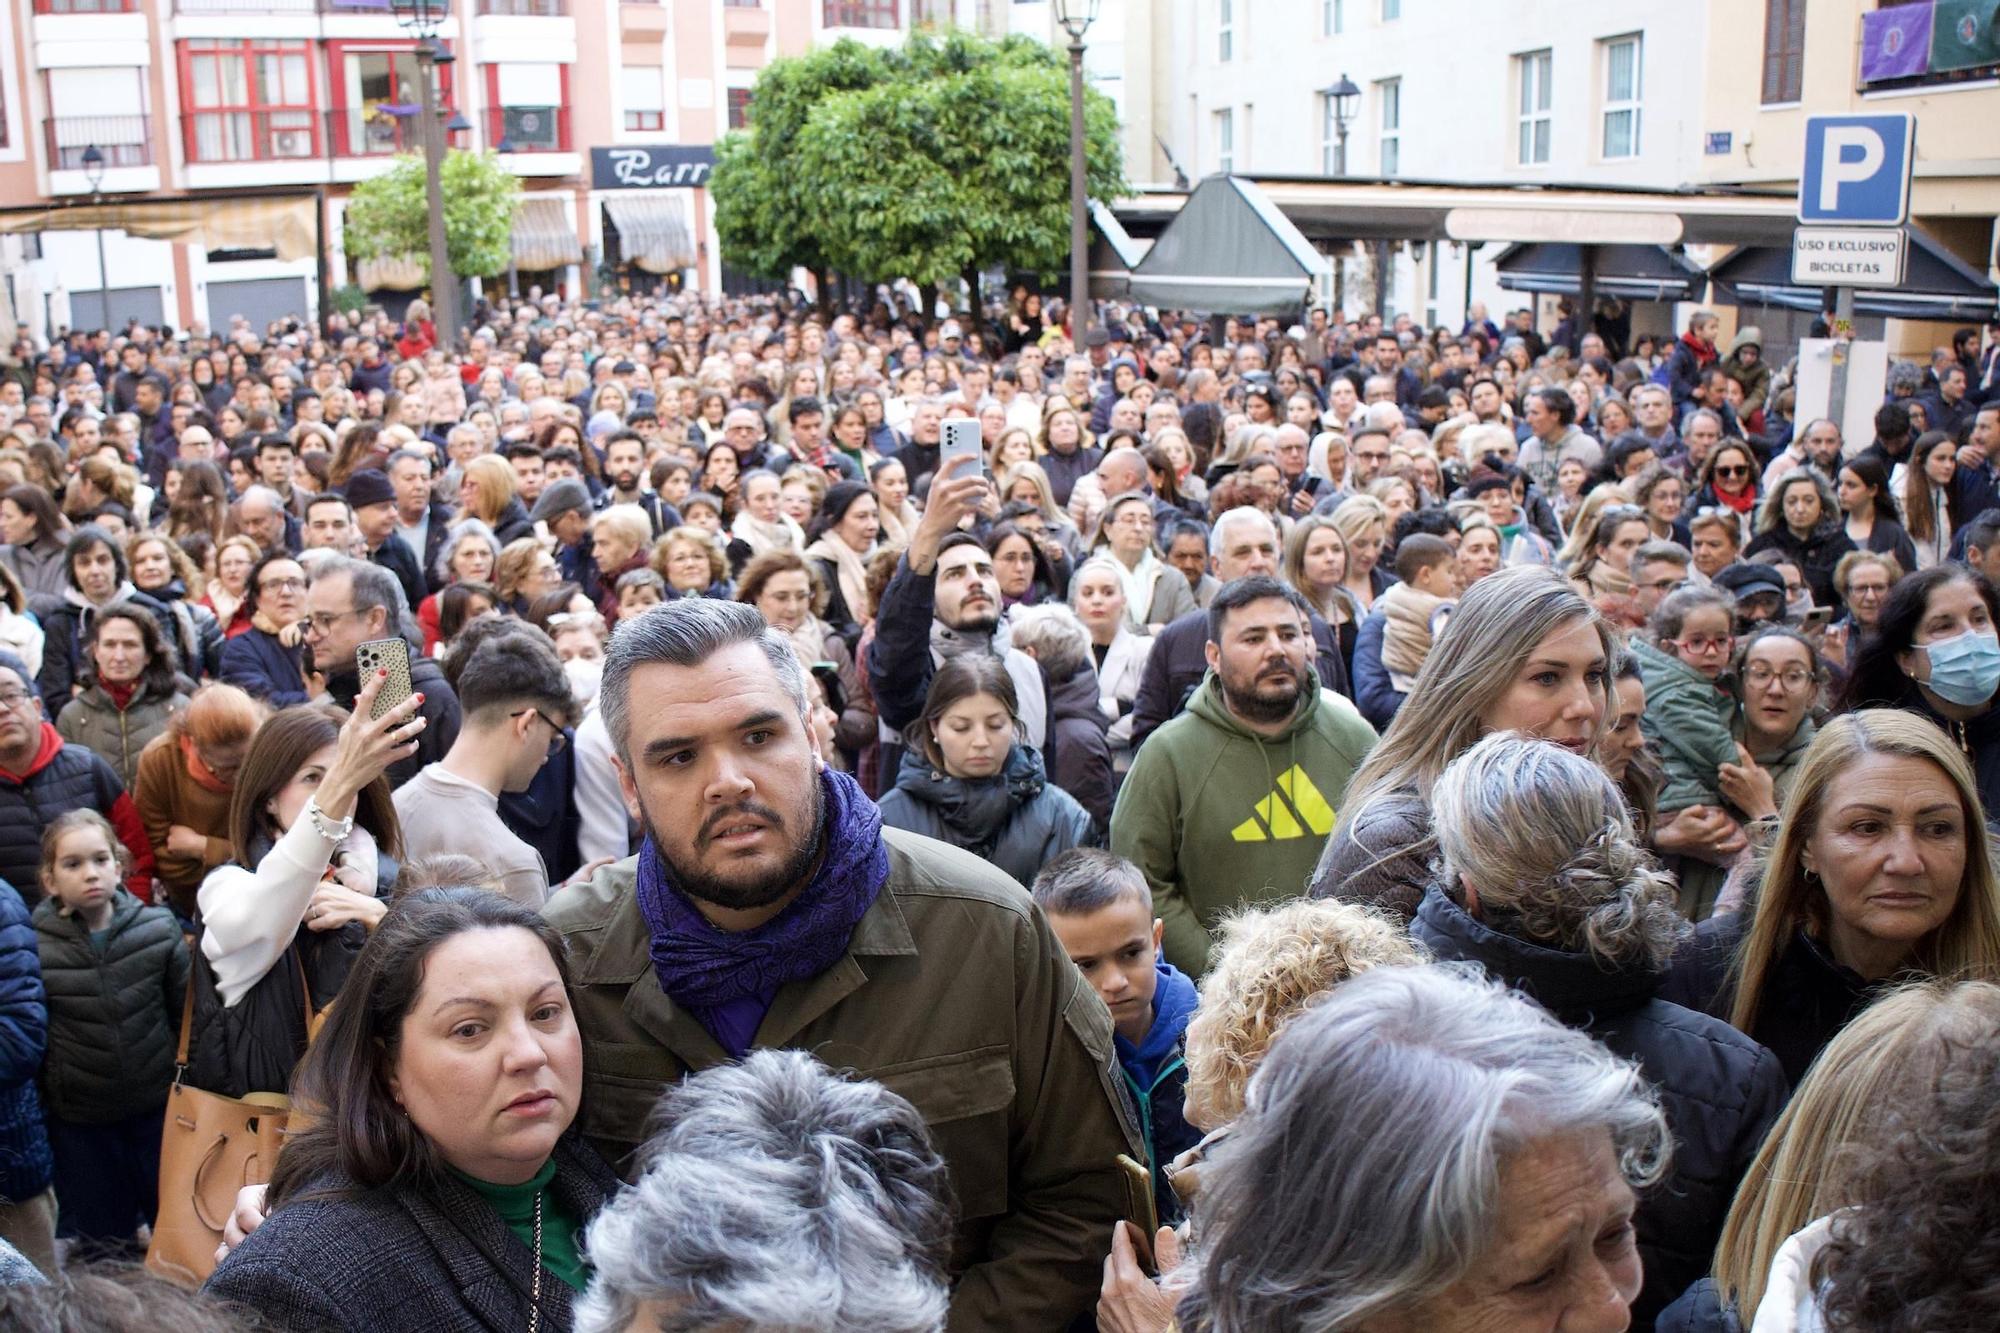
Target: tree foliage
x: 388, y: 214
x: 946, y: 155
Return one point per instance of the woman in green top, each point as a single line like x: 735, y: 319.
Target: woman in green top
x: 438, y: 1186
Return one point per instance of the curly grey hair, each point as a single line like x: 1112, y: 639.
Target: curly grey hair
x: 777, y: 1195
x: 1544, y: 838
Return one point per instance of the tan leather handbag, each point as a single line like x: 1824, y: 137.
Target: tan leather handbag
x: 212, y: 1146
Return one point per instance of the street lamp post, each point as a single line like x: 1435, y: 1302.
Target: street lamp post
x: 1340, y: 99
x: 93, y: 171
x: 1076, y: 16
x: 422, y: 17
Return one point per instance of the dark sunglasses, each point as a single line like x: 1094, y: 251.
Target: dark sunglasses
x: 1732, y: 471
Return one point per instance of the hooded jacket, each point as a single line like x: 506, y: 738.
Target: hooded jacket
x: 1720, y: 1090
x: 59, y: 779
x: 1156, y: 1075
x: 63, y: 632
x: 26, y: 1164
x: 1755, y: 379
x: 1078, y: 753
x: 1016, y: 820
x: 114, y: 1009
x: 1217, y: 815
x: 1688, y: 720
x: 1178, y: 663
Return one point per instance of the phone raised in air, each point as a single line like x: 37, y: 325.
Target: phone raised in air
x: 392, y: 655
x: 961, y: 440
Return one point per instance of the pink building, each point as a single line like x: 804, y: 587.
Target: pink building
x: 208, y: 97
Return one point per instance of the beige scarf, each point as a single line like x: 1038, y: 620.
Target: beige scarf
x: 898, y: 524
x: 852, y: 568
x: 1411, y: 620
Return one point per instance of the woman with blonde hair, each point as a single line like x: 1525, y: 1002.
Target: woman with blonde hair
x: 1583, y: 522
x: 1028, y: 483
x: 1850, y: 1096
x: 1882, y: 871
x: 1523, y: 653
x: 1363, y: 524
x: 693, y: 564
x: 524, y: 571
x: 489, y: 492
x: 1603, y: 563
x: 1315, y: 563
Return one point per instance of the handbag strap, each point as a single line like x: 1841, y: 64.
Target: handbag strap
x: 187, y: 1030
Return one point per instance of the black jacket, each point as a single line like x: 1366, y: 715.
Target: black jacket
x: 1179, y: 661
x: 396, y: 556
x: 1699, y: 1310
x: 1815, y: 556
x: 114, y: 1010
x: 513, y: 523
x: 197, y: 634
x: 1720, y: 1090
x: 439, y: 710
x: 407, y: 1258
x: 1078, y: 750
x: 1807, y: 998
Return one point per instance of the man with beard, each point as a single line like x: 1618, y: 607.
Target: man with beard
x: 352, y: 602
x: 1229, y: 804
x: 769, y: 908
x: 624, y: 464
x: 944, y: 600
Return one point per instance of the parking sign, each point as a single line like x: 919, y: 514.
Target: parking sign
x: 1857, y: 170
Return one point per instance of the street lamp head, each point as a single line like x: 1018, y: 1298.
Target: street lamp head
x: 421, y: 17
x: 1343, y: 94
x: 1076, y: 16
x: 458, y: 124
x: 93, y: 165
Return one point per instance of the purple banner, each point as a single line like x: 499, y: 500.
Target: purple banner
x: 1895, y: 43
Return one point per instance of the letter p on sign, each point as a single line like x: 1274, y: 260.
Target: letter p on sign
x: 1857, y: 170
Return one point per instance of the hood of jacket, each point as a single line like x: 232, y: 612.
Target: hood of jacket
x: 1747, y: 336
x: 50, y: 919
x: 947, y: 643
x: 1078, y: 698
x: 1207, y: 704
x: 1573, y: 986
x: 975, y: 809
x: 1174, y: 1000
x: 1791, y: 1296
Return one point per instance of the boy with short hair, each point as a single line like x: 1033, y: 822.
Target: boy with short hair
x: 1415, y: 609
x: 1101, y: 910
x: 638, y: 589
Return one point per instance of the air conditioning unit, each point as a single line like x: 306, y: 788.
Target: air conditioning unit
x: 291, y: 143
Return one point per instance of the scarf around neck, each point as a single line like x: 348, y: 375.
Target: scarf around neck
x: 703, y: 969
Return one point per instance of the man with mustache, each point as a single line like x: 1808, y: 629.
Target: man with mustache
x: 769, y: 908
x: 944, y: 600
x: 1229, y: 803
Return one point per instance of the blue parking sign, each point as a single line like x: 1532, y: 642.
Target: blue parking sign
x: 1857, y: 170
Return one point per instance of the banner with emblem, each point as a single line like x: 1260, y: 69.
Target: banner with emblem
x: 1895, y: 43
x: 1962, y: 34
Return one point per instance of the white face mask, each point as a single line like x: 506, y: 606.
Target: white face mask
x: 584, y: 675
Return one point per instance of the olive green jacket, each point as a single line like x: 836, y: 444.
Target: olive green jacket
x: 953, y: 993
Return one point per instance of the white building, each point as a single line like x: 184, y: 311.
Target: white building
x: 1602, y: 93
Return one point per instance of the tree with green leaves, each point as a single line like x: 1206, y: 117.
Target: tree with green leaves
x: 933, y: 161
x: 388, y: 214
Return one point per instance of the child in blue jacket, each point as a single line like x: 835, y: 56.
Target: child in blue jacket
x: 1101, y: 909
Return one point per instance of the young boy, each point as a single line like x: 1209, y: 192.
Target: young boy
x: 1102, y: 911
x: 1414, y: 610
x: 637, y: 590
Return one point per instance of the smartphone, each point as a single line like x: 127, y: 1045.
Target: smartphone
x: 1140, y: 1210
x: 1312, y: 485
x: 393, y: 656
x: 961, y: 440
x: 1819, y: 617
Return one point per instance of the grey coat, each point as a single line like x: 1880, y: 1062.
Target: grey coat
x: 1380, y: 858
x: 1016, y: 821
x: 114, y: 1010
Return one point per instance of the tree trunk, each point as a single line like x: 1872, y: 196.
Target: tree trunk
x: 822, y: 297
x: 930, y: 295
x: 975, y: 319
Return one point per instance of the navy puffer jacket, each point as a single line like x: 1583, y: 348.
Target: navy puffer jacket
x: 26, y: 1164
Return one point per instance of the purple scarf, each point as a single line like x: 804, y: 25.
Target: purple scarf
x: 717, y: 975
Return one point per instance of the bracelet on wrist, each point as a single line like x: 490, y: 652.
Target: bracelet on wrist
x: 333, y: 830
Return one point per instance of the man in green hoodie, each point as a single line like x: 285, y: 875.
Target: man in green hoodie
x: 1230, y: 803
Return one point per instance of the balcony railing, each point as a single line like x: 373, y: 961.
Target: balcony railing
x: 528, y: 129
x: 254, y: 136
x: 86, y: 6
x: 533, y: 9
x: 259, y: 7
x: 125, y: 141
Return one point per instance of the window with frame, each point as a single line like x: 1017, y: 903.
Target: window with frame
x: 739, y: 108
x: 644, y: 87
x: 1332, y: 17
x: 858, y: 13
x: 248, y: 100
x: 1784, y: 51
x: 1391, y: 10
x: 1389, y: 104
x: 1534, y: 123
x: 1329, y: 135
x: 1225, y: 140
x: 1225, y: 30
x: 1623, y: 86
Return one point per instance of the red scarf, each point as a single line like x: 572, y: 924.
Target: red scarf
x: 120, y: 692
x: 1742, y: 502
x: 204, y: 776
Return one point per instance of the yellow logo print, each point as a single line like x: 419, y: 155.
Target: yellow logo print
x: 1292, y: 810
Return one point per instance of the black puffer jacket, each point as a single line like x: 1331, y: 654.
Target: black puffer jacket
x: 1078, y: 754
x: 1720, y: 1090
x: 114, y: 1010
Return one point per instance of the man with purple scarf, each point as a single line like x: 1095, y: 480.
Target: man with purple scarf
x: 768, y: 907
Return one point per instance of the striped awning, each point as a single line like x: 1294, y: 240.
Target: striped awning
x: 287, y: 224
x: 652, y: 230
x: 544, y: 237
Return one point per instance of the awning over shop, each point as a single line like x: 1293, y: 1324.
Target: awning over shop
x: 393, y: 273
x: 544, y: 237
x: 653, y: 230
x: 1635, y: 272
x: 1937, y: 284
x: 1228, y: 248
x: 288, y: 224
x: 1113, y: 254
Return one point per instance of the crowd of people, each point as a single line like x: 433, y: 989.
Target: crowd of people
x: 1323, y: 826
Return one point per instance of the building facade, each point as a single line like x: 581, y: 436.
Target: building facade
x: 204, y: 98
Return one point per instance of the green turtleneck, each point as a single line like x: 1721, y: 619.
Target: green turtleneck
x: 516, y: 1206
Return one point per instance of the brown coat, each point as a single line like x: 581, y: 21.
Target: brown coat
x: 953, y: 993
x: 166, y: 794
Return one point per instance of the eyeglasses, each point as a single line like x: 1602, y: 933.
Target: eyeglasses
x: 1734, y: 471
x: 1705, y: 644
x: 556, y: 737
x: 1794, y: 680
x: 16, y: 700
x: 282, y: 585
x: 320, y: 622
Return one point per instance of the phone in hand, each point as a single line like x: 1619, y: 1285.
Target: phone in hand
x: 392, y: 655
x: 1140, y: 1210
x: 961, y: 439
x: 1818, y: 617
